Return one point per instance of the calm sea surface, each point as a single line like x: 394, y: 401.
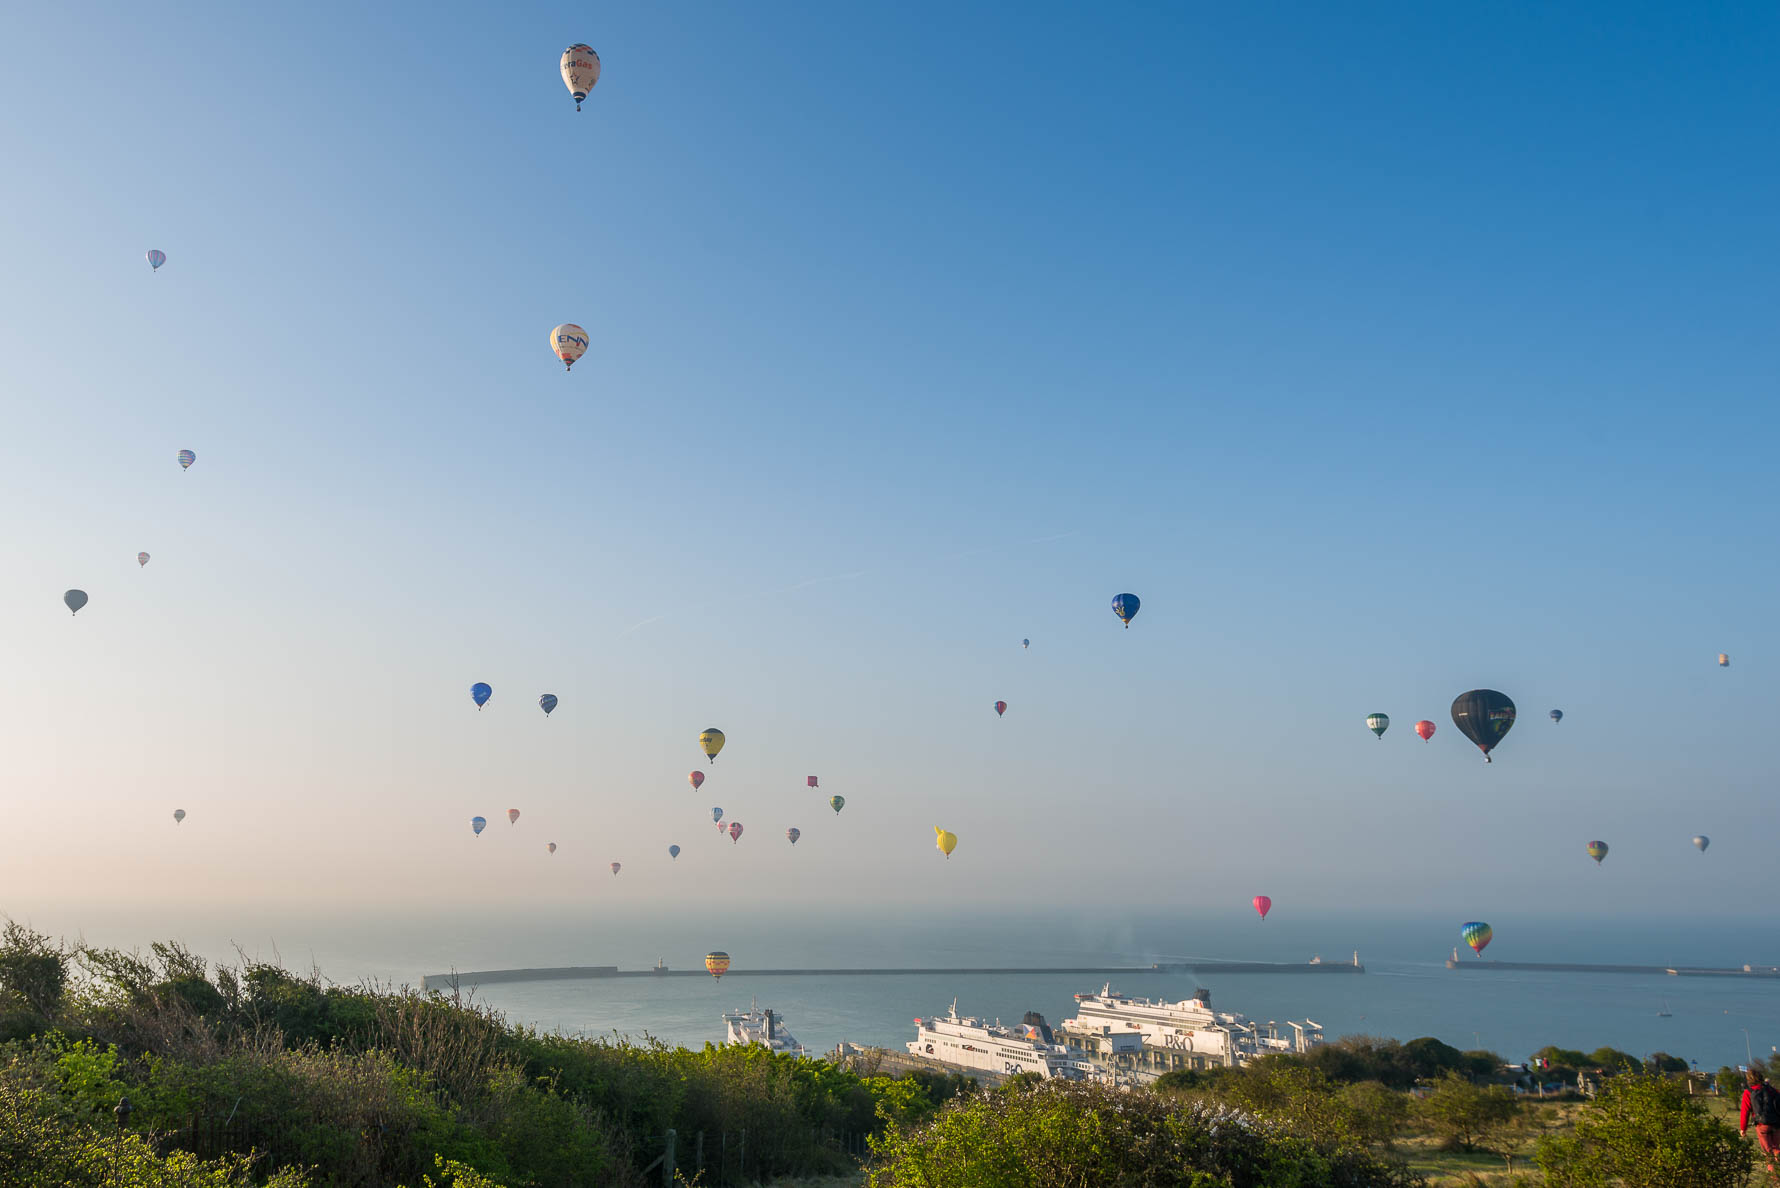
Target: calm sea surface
x: 1406, y: 991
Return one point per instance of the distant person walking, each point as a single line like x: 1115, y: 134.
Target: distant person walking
x: 1761, y: 1105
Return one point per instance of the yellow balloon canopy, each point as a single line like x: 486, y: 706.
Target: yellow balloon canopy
x: 711, y: 741
x: 945, y: 839
x: 718, y: 964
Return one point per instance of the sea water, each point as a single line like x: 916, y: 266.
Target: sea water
x: 1405, y: 992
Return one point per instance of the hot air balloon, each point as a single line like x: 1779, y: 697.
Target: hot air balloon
x: 547, y: 703
x: 1477, y: 934
x: 1425, y: 728
x: 1125, y: 606
x: 793, y: 834
x: 945, y: 840
x: 809, y: 781
x: 1378, y: 723
x: 735, y: 832
x: 478, y: 824
x: 711, y: 741
x: 615, y: 867
x: 1484, y: 716
x: 178, y: 816
x: 512, y: 816
x: 569, y: 342
x: 717, y: 816
x: 1557, y: 715
x: 837, y: 803
x: 141, y: 558
x: 186, y: 458
x: 1724, y: 660
x: 74, y: 600
x: 551, y: 846
x: 580, y: 71
x: 1263, y: 905
x: 1026, y: 643
x: 695, y: 779
x: 718, y: 964
x: 1000, y: 708
x: 156, y: 258
x: 1700, y: 842
x: 480, y: 692
x: 674, y: 852
x: 1597, y: 850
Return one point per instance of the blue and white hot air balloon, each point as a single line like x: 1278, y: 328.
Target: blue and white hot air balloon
x: 480, y: 692
x: 478, y: 824
x: 547, y: 703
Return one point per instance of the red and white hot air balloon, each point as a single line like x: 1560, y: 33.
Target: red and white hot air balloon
x: 1425, y: 728
x: 735, y: 831
x: 512, y: 816
x: 696, y: 779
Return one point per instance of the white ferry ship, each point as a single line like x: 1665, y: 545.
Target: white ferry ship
x: 1147, y: 1037
x: 989, y: 1047
x: 763, y: 1027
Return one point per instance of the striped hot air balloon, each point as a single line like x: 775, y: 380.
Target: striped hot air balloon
x: 156, y: 258
x: 1477, y: 934
x: 186, y: 458
x: 547, y: 703
x: 141, y: 558
x: 1598, y: 851
x: 718, y: 964
x: 1378, y: 723
x: 792, y: 834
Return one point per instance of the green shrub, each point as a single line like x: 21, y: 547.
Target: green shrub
x: 1646, y: 1132
x: 1465, y: 1115
x: 1067, y: 1133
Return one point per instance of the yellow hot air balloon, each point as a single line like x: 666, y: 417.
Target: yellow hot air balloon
x: 945, y: 839
x: 568, y: 342
x: 718, y: 964
x: 711, y: 741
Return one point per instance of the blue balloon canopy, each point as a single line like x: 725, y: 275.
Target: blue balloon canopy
x: 547, y: 703
x: 1126, y: 606
x: 673, y: 851
x: 478, y: 823
x: 480, y: 692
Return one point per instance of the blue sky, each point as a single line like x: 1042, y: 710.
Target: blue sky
x: 1386, y: 354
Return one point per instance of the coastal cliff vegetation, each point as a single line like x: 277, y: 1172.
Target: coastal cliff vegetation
x: 160, y: 1068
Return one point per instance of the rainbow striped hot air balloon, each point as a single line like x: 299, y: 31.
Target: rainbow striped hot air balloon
x: 1477, y: 934
x: 792, y: 834
x: 718, y: 964
x: 141, y: 559
x: 186, y: 458
x: 1598, y: 851
x: 837, y: 803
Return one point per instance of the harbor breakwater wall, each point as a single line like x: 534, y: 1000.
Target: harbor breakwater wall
x: 491, y: 977
x: 1674, y: 971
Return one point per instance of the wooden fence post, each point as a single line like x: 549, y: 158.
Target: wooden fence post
x: 667, y: 1159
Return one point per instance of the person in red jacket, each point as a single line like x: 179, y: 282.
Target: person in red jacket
x: 1761, y: 1105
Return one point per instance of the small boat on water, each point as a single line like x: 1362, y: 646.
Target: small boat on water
x: 1664, y: 1013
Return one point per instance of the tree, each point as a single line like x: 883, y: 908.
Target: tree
x: 1479, y: 1063
x: 33, y: 971
x: 1463, y: 1113
x: 1429, y: 1058
x: 1646, y: 1132
x: 1730, y: 1081
x: 1378, y: 1111
x: 1614, y: 1061
x: 1662, y: 1062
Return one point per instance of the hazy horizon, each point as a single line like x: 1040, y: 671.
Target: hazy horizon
x: 1383, y: 359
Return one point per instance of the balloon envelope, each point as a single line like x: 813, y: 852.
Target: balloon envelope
x: 1425, y: 728
x: 717, y: 815
x: 551, y: 847
x: 1025, y: 643
x: 837, y: 803
x: 1378, y: 723
x: 1597, y: 850
x: 710, y: 742
x: 735, y: 831
x: 1700, y: 842
x: 1477, y: 934
x: 673, y: 851
x: 178, y: 816
x: 695, y: 779
x: 945, y: 840
x: 512, y: 816
x: 569, y: 342
x: 186, y: 458
x: 1557, y: 715
x: 615, y: 867
x: 793, y: 834
x: 547, y: 703
x: 1126, y: 606
x: 1000, y: 708
x: 1484, y: 716
x: 580, y: 71
x: 1724, y: 660
x: 156, y: 258
x: 478, y: 824
x: 1263, y: 905
x: 74, y: 600
x: 480, y: 693
x: 810, y: 781
x: 718, y: 964
x: 142, y: 558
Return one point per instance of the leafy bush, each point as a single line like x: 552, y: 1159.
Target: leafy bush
x: 1465, y: 1114
x: 1067, y: 1133
x: 1646, y: 1132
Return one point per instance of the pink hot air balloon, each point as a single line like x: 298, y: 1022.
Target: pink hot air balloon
x: 512, y: 816
x: 810, y: 780
x: 695, y: 779
x: 1425, y: 728
x: 1000, y: 708
x: 735, y: 831
x: 1263, y: 904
